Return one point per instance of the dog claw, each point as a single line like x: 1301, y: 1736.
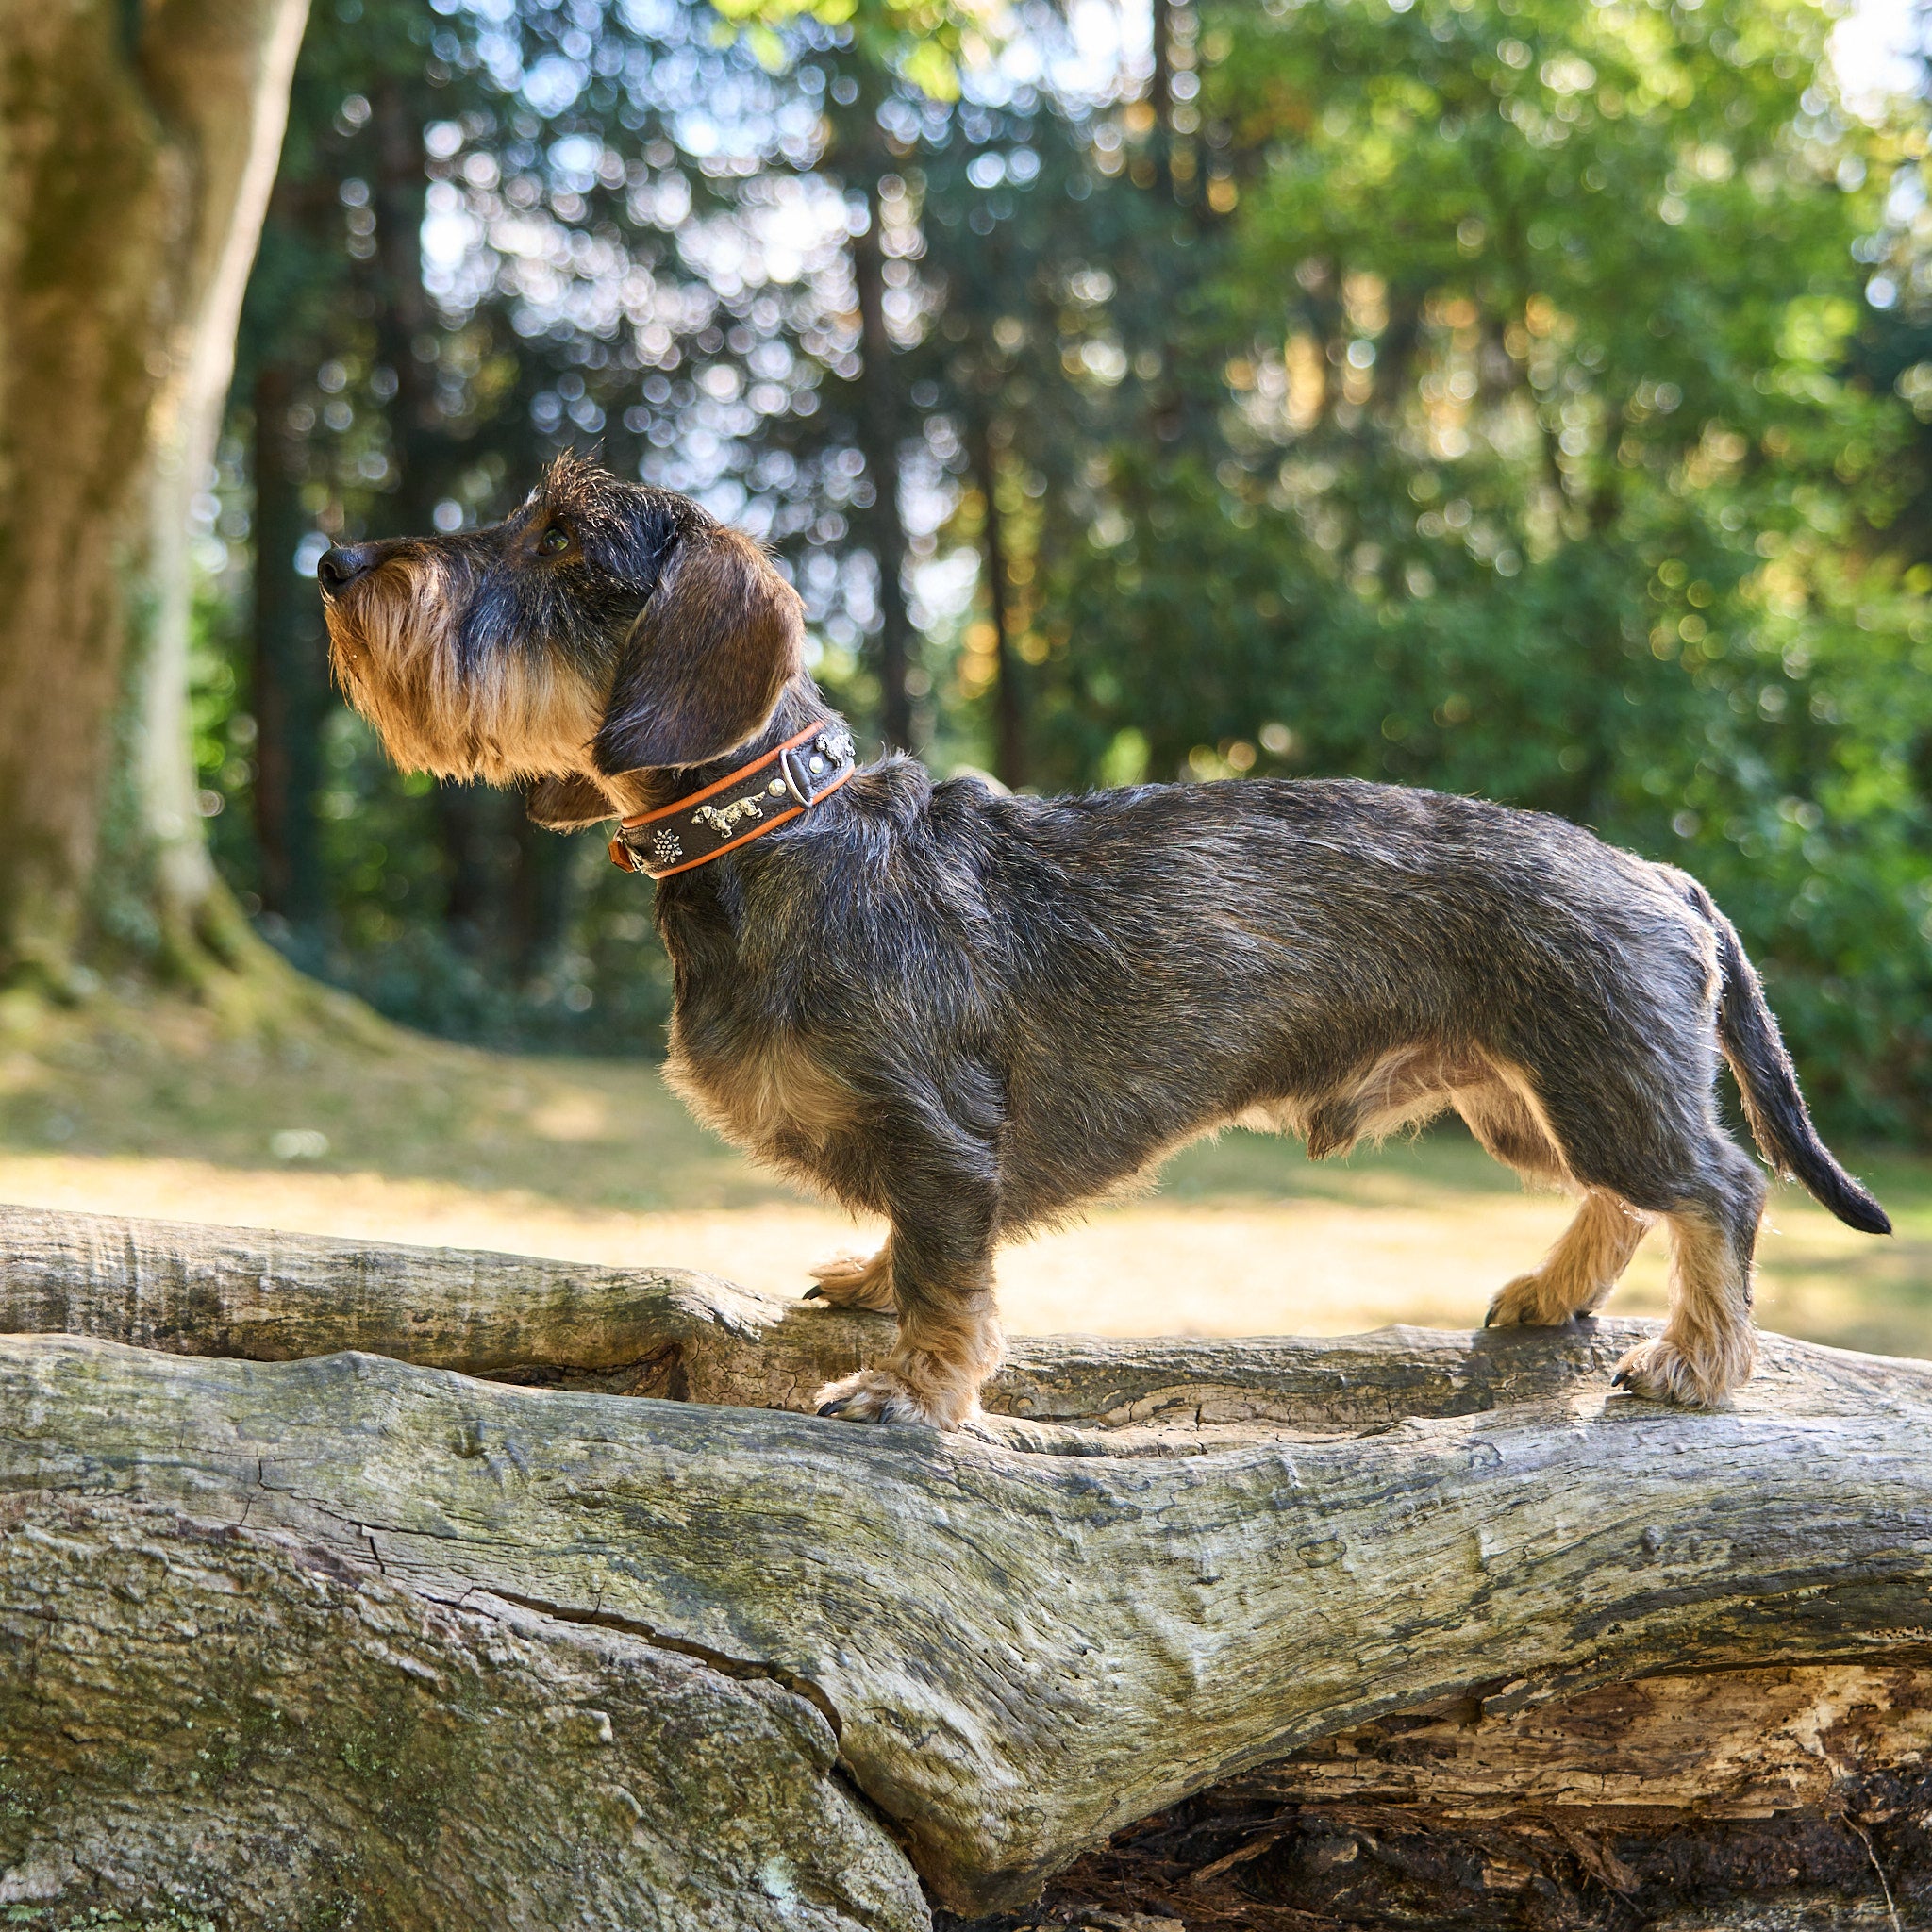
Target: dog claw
x: 1524, y: 1303
x: 866, y: 1397
x: 878, y: 1395
x: 848, y: 1282
x: 1663, y: 1371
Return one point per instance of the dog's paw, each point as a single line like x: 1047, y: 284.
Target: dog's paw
x: 877, y: 1396
x: 1526, y: 1303
x: 1659, y: 1371
x: 854, y: 1281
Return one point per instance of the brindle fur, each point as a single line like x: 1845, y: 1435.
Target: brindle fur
x: 971, y: 1013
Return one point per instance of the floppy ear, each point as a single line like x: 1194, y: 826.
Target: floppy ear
x: 564, y: 804
x: 721, y: 637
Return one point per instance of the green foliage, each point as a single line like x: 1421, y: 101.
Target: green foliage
x: 1537, y: 471
x: 1476, y: 393
x: 922, y: 42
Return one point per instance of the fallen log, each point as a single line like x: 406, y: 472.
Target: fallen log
x: 1159, y: 1571
x: 198, y: 1718
x: 266, y: 1296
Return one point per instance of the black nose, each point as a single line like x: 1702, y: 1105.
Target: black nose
x: 342, y: 563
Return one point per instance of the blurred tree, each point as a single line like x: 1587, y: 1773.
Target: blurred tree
x: 1013, y: 246
x: 519, y: 255
x: 368, y: 401
x: 856, y: 156
x: 555, y: 233
x: 137, y: 150
x: 137, y: 158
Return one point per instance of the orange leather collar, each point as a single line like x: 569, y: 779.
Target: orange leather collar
x: 759, y: 798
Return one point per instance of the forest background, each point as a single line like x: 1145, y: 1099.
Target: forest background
x: 1515, y: 396
x: 1522, y: 398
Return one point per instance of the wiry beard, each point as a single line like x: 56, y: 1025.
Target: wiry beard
x: 510, y: 715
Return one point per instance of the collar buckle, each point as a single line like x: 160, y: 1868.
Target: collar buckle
x: 811, y: 769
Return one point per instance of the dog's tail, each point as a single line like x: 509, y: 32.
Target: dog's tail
x: 1780, y: 1122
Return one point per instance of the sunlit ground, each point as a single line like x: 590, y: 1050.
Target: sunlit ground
x: 151, y: 1114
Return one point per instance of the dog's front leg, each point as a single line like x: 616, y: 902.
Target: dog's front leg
x: 949, y: 1336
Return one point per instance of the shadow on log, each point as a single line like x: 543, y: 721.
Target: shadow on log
x: 1409, y: 1628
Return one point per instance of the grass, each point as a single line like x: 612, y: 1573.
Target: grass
x: 335, y: 1124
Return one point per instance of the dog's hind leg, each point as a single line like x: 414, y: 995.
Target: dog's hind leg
x: 1643, y: 1135
x: 1576, y: 1275
x: 851, y: 1281
x: 1590, y: 1258
x: 1707, y: 1347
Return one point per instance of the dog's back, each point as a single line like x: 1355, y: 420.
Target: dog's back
x: 1340, y: 957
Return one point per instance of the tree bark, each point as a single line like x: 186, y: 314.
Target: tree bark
x: 1010, y: 720
x: 1158, y: 1567
x: 204, y: 1715
x: 879, y: 424
x: 219, y: 76
x: 290, y: 678
x: 137, y: 149
x: 1764, y: 1799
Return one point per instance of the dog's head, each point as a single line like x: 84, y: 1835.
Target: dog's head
x: 602, y: 628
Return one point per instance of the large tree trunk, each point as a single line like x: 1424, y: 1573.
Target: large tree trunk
x: 137, y: 148
x: 1134, y: 1602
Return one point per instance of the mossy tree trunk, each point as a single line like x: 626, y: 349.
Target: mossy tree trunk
x: 138, y: 146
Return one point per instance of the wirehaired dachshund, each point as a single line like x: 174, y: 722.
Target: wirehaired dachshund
x: 971, y: 1013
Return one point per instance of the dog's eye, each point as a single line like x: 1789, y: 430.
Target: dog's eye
x: 553, y: 542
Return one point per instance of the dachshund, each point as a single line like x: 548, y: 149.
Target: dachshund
x: 970, y: 1013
